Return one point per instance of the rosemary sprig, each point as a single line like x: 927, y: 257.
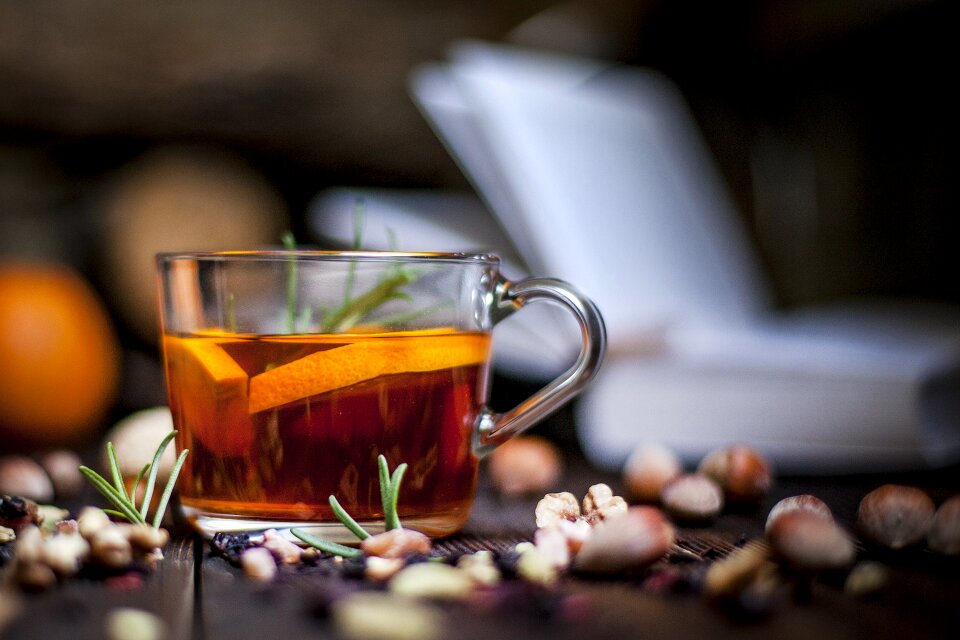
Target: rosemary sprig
x: 389, y: 491
x: 291, y: 245
x: 351, y: 312
x: 126, y: 504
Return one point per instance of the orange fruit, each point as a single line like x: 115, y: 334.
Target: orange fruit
x: 363, y: 360
x: 59, y: 356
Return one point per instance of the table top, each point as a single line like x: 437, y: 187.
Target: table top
x: 200, y: 595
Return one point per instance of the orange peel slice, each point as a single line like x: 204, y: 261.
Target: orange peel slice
x: 209, y: 394
x: 368, y: 358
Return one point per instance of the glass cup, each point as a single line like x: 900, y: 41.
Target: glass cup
x: 289, y: 372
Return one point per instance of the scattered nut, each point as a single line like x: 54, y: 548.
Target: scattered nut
x: 33, y: 576
x: 480, y: 567
x: 91, y: 520
x: 145, y: 537
x: 432, y: 580
x: 805, y: 502
x: 534, y: 566
x: 127, y: 623
x: 525, y: 465
x: 742, y: 473
x: 135, y: 439
x: 807, y: 541
x: 633, y: 541
x: 944, y: 536
x: 282, y: 549
x: 258, y: 564
x: 551, y: 542
x: 63, y: 467
x: 64, y: 553
x: 732, y: 573
x: 30, y: 544
x: 692, y: 496
x: 866, y: 578
x: 557, y: 506
x: 895, y: 516
x: 396, y: 543
x: 576, y: 533
x: 373, y: 615
x: 50, y: 515
x: 382, y: 569
x: 649, y: 467
x: 110, y: 548
x: 67, y: 526
x: 7, y: 535
x: 21, y: 476
x: 600, y: 504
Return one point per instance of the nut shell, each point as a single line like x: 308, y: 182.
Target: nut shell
x: 944, y: 536
x: 635, y: 540
x: 807, y: 541
x: 649, y: 467
x: 805, y: 502
x: 742, y: 472
x: 692, y: 496
x: 895, y: 516
x: 525, y: 465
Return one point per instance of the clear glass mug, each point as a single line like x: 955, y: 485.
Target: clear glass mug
x: 289, y: 372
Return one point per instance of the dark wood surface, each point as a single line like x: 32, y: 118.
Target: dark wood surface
x: 202, y: 596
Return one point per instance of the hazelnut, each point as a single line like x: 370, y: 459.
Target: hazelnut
x: 805, y: 502
x: 258, y: 564
x: 374, y: 615
x: 807, y: 541
x: 557, y: 506
x: 110, y: 547
x: 635, y: 540
x: 396, y: 543
x: 432, y: 580
x: 21, y: 476
x: 692, y: 496
x: 742, y: 473
x: 944, y: 536
x: 525, y: 465
x: 135, y: 440
x: 647, y: 469
x: 895, y: 516
x: 63, y: 467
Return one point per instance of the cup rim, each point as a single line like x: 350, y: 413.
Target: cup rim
x: 323, y: 255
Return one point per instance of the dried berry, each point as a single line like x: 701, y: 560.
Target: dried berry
x: 895, y: 516
x: 230, y: 546
x: 17, y: 512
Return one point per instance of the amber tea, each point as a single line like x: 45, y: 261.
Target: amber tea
x: 289, y: 372
x: 277, y: 424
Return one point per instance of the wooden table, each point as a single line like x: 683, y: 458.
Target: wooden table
x: 202, y: 596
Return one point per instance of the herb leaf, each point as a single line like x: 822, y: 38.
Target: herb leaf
x: 327, y: 546
x: 347, y: 519
x: 291, y: 245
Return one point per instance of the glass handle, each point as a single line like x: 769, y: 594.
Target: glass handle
x: 493, y: 428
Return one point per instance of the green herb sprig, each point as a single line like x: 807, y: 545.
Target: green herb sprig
x: 389, y: 492
x: 126, y: 503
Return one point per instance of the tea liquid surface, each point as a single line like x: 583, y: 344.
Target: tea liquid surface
x: 277, y: 424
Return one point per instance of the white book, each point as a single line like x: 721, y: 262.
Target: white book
x: 598, y: 175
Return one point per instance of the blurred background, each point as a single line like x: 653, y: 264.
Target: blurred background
x: 129, y: 128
